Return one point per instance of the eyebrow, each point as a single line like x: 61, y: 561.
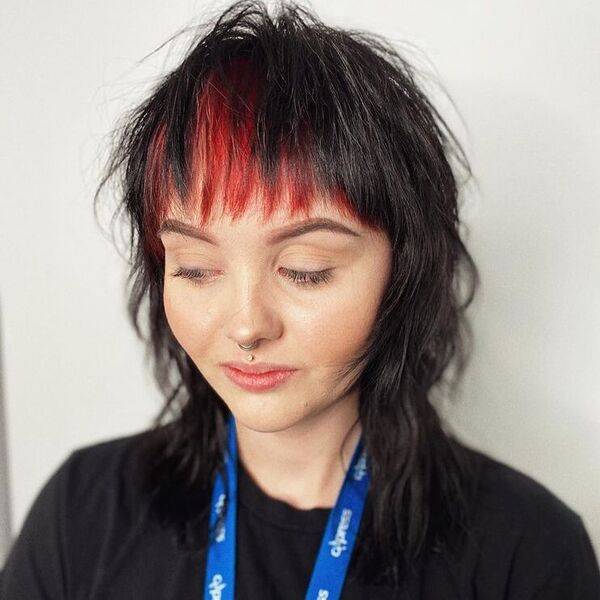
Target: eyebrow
x: 278, y: 236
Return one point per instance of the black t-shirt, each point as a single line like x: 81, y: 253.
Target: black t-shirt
x: 83, y: 540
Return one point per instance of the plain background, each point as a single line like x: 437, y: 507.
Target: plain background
x: 524, y: 77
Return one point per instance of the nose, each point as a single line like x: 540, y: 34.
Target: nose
x: 252, y: 314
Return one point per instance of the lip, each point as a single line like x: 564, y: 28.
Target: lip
x: 262, y: 367
x: 259, y: 377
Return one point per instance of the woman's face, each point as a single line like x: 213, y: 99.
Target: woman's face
x: 246, y: 291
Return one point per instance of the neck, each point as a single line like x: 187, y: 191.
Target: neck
x: 304, y: 465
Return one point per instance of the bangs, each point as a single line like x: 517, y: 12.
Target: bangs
x: 219, y: 162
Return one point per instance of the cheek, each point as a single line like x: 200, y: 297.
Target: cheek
x: 190, y: 321
x: 340, y: 327
x: 339, y: 330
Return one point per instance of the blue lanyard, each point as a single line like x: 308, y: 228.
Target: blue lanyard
x: 336, y: 546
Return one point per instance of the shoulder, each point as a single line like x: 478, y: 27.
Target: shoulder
x: 527, y: 537
x: 97, y: 463
x: 78, y: 519
x: 106, y: 474
x: 517, y: 501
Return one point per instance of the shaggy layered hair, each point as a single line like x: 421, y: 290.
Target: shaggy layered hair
x: 285, y: 106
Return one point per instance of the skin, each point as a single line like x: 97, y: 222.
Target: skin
x: 289, y: 438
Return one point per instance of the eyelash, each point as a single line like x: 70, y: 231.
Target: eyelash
x: 301, y: 278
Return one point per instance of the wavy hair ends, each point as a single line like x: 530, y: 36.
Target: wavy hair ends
x: 291, y: 111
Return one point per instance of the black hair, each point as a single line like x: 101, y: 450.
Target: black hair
x: 346, y: 107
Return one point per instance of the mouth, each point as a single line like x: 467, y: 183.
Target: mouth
x: 258, y: 381
x: 258, y: 367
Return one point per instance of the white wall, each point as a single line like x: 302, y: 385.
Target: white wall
x: 524, y: 77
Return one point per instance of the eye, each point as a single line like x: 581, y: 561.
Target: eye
x: 196, y: 275
x: 301, y: 278
x: 308, y: 278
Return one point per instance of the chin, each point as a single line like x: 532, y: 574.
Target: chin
x: 266, y: 421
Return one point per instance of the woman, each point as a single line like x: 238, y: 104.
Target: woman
x: 298, y: 276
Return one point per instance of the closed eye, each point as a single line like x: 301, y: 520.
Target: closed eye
x: 300, y: 278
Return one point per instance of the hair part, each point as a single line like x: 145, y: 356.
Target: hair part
x: 287, y: 110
